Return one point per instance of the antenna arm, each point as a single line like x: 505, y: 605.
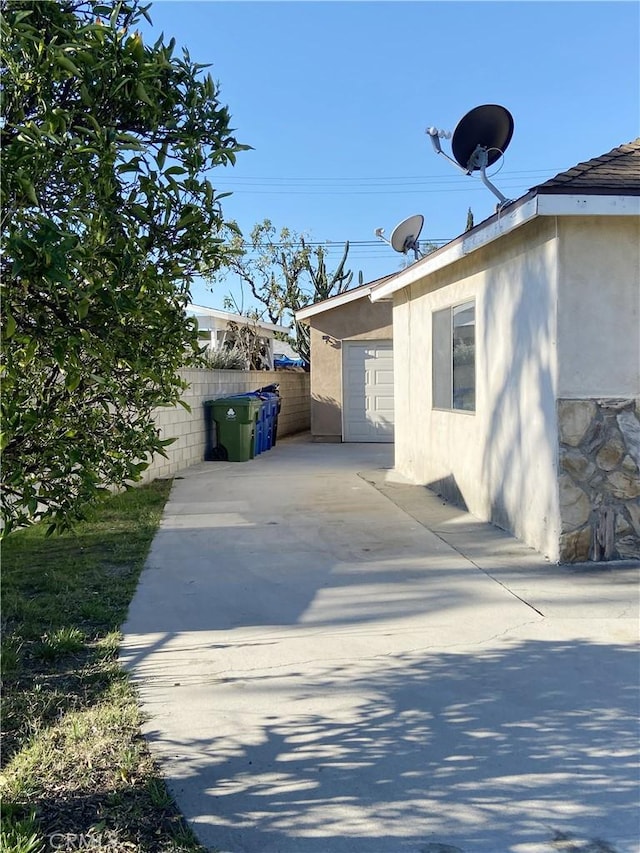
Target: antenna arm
x: 435, y: 139
x: 479, y: 160
x: 455, y: 163
x: 434, y: 135
x: 485, y: 180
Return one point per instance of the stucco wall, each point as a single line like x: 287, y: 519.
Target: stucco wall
x: 357, y: 320
x: 599, y: 387
x: 599, y: 323
x: 557, y: 332
x: 500, y: 462
x: 189, y: 427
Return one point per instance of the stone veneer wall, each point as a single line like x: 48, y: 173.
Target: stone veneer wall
x: 188, y: 427
x: 599, y: 479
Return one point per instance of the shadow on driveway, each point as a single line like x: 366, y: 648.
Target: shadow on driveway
x: 324, y: 674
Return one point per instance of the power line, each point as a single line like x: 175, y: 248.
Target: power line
x: 374, y: 179
x: 361, y: 253
x: 356, y: 192
x: 378, y: 192
x: 518, y: 181
x: 339, y: 244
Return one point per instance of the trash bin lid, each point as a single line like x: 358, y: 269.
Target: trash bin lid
x: 243, y: 403
x: 236, y: 398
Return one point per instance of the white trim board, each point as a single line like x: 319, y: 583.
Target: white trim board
x: 332, y: 302
x: 513, y: 216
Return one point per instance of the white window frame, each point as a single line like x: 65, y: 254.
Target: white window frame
x: 442, y: 367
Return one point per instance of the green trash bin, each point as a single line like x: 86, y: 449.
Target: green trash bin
x: 235, y: 419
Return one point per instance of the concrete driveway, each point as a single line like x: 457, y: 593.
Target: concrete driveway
x: 333, y: 662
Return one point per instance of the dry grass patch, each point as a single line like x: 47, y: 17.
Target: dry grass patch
x: 76, y: 772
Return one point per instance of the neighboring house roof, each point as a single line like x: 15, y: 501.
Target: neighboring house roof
x: 341, y: 299
x: 618, y: 171
x: 608, y: 185
x: 200, y: 311
x: 284, y: 349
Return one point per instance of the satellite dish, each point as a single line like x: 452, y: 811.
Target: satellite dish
x: 405, y: 236
x: 489, y: 128
x: 481, y: 137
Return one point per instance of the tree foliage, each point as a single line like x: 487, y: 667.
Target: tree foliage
x: 107, y: 214
x: 284, y: 273
x: 246, y: 340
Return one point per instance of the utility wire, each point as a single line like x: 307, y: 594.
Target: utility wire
x: 381, y: 186
x: 376, y: 178
x: 339, y: 244
x: 378, y: 192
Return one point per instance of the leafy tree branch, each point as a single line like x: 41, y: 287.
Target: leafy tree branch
x: 108, y: 211
x: 284, y: 273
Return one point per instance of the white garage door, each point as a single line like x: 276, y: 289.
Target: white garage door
x: 367, y: 390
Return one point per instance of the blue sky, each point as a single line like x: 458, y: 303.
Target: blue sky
x: 335, y: 98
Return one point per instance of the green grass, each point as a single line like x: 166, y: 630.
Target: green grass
x: 75, y: 769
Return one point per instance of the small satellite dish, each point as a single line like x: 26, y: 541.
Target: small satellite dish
x: 481, y: 137
x: 405, y: 235
x: 489, y: 128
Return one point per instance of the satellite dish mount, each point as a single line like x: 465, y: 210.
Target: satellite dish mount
x: 481, y: 137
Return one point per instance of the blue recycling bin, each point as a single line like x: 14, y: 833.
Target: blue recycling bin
x: 259, y: 435
x: 265, y: 435
x: 270, y: 405
x: 272, y: 402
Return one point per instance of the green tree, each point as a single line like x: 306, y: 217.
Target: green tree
x: 245, y: 339
x: 284, y: 274
x: 107, y: 214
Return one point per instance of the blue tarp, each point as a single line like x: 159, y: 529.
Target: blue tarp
x: 285, y: 361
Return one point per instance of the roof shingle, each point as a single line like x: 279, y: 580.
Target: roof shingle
x: 614, y: 173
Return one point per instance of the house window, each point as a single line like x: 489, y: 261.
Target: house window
x: 454, y: 358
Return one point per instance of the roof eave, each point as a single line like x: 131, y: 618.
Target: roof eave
x: 506, y: 221
x: 303, y: 314
x: 229, y: 317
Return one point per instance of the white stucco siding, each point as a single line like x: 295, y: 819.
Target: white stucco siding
x: 502, y: 460
x: 599, y: 307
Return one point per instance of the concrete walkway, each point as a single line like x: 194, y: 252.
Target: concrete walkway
x: 335, y: 663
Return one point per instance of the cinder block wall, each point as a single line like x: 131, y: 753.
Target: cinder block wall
x: 188, y: 428
x: 295, y: 391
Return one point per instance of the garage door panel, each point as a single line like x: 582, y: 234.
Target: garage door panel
x: 384, y: 405
x: 383, y: 377
x: 367, y: 391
